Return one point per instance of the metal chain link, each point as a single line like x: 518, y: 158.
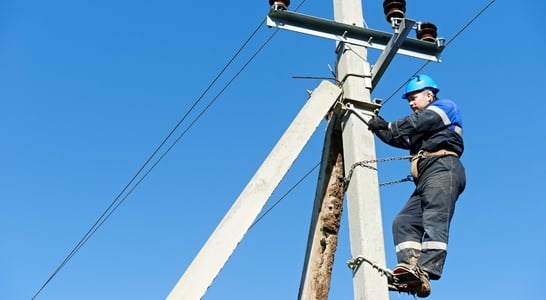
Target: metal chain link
x: 366, y: 164
x: 409, y: 178
x: 355, y: 263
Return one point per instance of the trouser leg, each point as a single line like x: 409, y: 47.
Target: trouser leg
x: 421, y: 228
x: 407, y: 229
x: 440, y: 192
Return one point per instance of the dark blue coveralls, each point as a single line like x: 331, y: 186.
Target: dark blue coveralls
x: 421, y: 228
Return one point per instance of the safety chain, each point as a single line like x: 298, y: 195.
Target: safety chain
x: 355, y: 263
x: 409, y: 178
x: 366, y: 164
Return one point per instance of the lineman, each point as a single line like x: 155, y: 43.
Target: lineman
x: 433, y: 134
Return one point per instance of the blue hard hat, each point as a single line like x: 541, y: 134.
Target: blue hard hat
x: 419, y: 83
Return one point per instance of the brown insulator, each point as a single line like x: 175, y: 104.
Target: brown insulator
x: 427, y: 31
x: 285, y: 3
x: 394, y: 9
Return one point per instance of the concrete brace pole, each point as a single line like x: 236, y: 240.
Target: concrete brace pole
x: 363, y: 205
x: 326, y: 217
x: 215, y: 253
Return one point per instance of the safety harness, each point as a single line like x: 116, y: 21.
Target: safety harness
x: 424, y: 154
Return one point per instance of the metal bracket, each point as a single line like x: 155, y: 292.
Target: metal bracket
x: 351, y: 34
x: 369, y: 109
x: 402, y: 30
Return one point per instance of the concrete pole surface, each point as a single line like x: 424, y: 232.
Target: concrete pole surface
x: 363, y: 205
x: 211, y: 258
x: 326, y: 217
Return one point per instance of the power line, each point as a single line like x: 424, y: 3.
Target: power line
x: 284, y: 196
x: 416, y: 72
x: 118, y: 200
x: 447, y: 44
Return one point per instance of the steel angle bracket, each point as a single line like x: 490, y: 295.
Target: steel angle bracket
x: 351, y: 34
x: 394, y: 44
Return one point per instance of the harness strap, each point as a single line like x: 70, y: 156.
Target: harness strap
x: 425, y: 154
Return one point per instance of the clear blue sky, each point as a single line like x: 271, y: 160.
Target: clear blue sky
x: 89, y: 89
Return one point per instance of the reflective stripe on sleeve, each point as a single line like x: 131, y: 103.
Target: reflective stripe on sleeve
x: 459, y: 130
x: 441, y: 113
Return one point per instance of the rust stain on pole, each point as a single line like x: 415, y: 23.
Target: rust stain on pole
x: 330, y: 220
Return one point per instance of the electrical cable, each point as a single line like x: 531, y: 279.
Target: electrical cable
x: 416, y: 72
x: 284, y: 196
x: 118, y: 200
x: 447, y: 44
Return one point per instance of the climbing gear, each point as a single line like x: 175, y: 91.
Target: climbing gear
x: 355, y: 263
x: 410, y: 279
x: 419, y: 83
x: 424, y: 154
x: 400, y: 280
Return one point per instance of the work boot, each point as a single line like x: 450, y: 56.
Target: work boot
x: 405, y: 279
x: 424, y: 290
x: 401, y: 268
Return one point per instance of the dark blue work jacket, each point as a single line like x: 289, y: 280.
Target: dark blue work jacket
x: 437, y: 127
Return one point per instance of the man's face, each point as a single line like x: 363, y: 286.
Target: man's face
x: 419, y: 100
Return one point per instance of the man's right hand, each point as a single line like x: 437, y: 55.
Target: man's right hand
x: 377, y: 123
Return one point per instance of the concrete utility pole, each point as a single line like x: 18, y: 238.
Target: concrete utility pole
x: 348, y: 141
x: 363, y: 205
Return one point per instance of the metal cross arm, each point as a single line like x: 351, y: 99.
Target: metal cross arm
x: 391, y: 48
x: 351, y: 34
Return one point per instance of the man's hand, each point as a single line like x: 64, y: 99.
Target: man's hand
x: 377, y: 123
